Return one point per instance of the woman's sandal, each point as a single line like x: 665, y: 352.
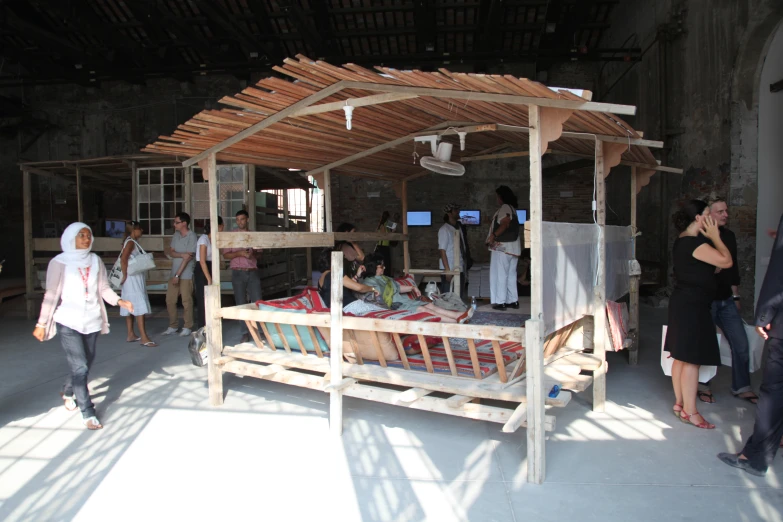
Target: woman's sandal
x: 753, y: 399
x: 69, y: 401
x: 706, y: 396
x: 686, y: 418
x: 677, y: 409
x: 92, y: 423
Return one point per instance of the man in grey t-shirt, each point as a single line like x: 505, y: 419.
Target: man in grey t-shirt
x: 182, y: 253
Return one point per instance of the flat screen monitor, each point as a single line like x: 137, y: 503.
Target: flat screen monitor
x: 522, y: 216
x: 420, y: 219
x: 470, y: 217
x: 115, y: 228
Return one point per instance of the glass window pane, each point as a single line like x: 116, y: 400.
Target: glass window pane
x: 154, y: 176
x: 225, y: 174
x: 168, y: 176
x: 179, y: 207
x: 168, y: 226
x: 155, y: 193
x: 144, y: 177
x: 197, y: 175
x: 144, y: 194
x: 169, y: 210
x: 179, y: 192
x: 144, y: 210
x: 168, y: 193
x: 155, y: 211
x: 239, y: 174
x: 155, y: 228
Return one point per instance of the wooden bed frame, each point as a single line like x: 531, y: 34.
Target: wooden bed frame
x: 499, y: 99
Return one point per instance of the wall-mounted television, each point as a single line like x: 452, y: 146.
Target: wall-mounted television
x: 522, y: 216
x: 470, y: 217
x: 420, y: 218
x: 114, y: 228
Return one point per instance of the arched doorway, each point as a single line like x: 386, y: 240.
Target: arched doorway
x: 770, y: 153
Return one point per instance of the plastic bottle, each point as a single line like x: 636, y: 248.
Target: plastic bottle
x: 473, y: 303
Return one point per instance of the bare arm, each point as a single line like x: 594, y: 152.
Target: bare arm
x: 357, y: 287
x: 359, y: 251
x: 718, y: 256
x: 124, y: 257
x: 203, y: 262
x: 504, y: 224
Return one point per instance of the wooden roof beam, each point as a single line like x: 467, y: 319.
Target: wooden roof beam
x: 590, y: 136
x: 658, y: 167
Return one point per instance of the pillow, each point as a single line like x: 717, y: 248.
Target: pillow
x: 364, y: 344
x: 299, y: 304
x: 408, y: 280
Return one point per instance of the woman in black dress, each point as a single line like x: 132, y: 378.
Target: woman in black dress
x: 691, y: 337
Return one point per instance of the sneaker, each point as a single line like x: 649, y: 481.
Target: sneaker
x: 169, y: 331
x: 185, y: 332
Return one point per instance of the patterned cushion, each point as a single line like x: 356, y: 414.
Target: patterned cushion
x: 408, y: 280
x: 302, y: 304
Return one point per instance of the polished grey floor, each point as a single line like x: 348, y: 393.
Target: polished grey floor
x: 267, y: 453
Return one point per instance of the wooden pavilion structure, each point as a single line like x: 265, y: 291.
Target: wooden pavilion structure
x: 302, y: 124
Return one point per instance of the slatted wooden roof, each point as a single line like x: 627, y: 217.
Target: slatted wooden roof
x: 312, y: 135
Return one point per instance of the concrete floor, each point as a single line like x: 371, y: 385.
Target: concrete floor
x: 267, y: 454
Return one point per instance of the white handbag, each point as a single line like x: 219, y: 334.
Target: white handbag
x: 136, y: 265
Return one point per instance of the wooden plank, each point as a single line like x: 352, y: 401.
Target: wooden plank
x: 375, y: 99
x: 299, y: 341
x: 355, y: 346
x: 536, y: 439
x: 484, y: 157
x: 474, y: 358
x: 315, y: 342
x: 345, y: 383
x: 431, y: 271
x: 209, y: 171
x: 512, y: 99
x: 253, y: 329
x: 266, y: 122
x: 633, y: 353
x: 458, y: 401
x: 401, y: 351
x: 274, y: 239
x: 282, y: 337
x: 378, y: 351
x: 368, y: 236
x: 134, y: 191
x: 250, y: 199
x: 327, y: 188
x: 100, y: 244
x: 584, y: 361
x: 270, y: 343
x: 214, y: 344
x: 336, y: 345
x: 600, y: 341
x: 406, y: 256
x: 425, y: 351
x: 587, y: 136
x: 517, y: 418
x: 660, y: 168
x: 450, y: 356
x: 499, y: 361
x: 29, y: 268
x: 411, y: 395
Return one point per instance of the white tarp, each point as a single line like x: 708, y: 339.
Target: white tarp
x: 570, y: 253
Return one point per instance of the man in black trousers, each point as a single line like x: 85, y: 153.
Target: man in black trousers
x: 762, y: 445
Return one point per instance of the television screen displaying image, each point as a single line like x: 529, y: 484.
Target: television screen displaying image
x: 115, y: 228
x: 522, y: 216
x: 420, y: 219
x: 470, y: 217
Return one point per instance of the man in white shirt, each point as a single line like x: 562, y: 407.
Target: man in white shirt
x: 446, y: 245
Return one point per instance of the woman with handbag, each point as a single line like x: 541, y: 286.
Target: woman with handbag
x: 134, y: 287
x: 76, y: 288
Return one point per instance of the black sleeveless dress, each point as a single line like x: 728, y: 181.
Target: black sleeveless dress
x: 691, y: 334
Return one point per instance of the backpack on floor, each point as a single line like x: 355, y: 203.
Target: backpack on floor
x: 197, y: 346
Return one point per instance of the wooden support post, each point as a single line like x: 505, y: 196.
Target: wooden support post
x: 327, y: 201
x: 187, y: 172
x: 536, y: 396
x: 251, y: 196
x: 534, y: 339
x: 599, y: 306
x: 289, y: 277
x: 212, y: 292
x: 456, y: 288
x: 79, y: 210
x: 336, y: 357
x: 214, y: 344
x: 406, y: 253
x: 29, y: 266
x: 633, y: 352
x: 135, y: 191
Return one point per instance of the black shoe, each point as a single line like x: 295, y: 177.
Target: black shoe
x: 514, y: 305
x: 733, y: 460
x: 498, y: 307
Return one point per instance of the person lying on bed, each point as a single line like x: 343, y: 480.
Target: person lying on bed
x: 391, y: 292
x: 352, y: 271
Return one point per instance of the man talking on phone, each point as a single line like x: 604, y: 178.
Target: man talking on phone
x: 245, y: 278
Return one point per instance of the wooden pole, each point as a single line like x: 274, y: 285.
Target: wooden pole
x: 308, y: 250
x: 29, y: 266
x: 212, y: 292
x: 633, y: 353
x: 406, y: 255
x: 287, y: 250
x: 135, y: 191
x: 250, y: 200
x: 327, y: 201
x: 79, y: 212
x: 534, y: 342
x: 599, y: 307
x: 457, y: 263
x: 187, y: 172
x: 336, y: 356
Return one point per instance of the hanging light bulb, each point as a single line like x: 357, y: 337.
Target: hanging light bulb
x: 348, y: 115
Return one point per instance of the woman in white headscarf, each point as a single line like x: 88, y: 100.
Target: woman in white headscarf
x: 76, y: 287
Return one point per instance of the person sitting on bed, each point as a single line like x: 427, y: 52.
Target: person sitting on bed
x: 391, y: 292
x: 353, y: 270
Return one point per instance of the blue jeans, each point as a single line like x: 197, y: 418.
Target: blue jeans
x: 727, y: 318
x: 80, y: 351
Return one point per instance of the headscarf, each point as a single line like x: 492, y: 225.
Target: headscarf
x: 71, y: 256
